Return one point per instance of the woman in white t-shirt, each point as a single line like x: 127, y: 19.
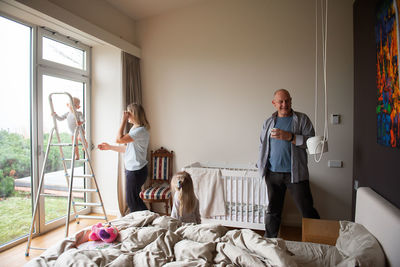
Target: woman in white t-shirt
x: 135, y: 149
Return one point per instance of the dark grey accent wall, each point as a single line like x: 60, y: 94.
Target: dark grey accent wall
x: 375, y: 166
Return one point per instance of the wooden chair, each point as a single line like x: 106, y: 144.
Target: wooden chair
x: 160, y: 178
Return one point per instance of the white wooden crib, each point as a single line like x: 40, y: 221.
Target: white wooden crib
x: 245, y: 196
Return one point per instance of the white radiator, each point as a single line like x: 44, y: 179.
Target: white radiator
x: 245, y: 198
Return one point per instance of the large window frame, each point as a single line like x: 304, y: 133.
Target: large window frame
x: 40, y: 67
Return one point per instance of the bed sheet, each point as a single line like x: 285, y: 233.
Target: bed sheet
x: 148, y: 239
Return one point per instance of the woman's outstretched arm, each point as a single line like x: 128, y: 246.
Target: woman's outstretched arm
x: 106, y: 146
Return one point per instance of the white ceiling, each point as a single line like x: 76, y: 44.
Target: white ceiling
x: 141, y: 9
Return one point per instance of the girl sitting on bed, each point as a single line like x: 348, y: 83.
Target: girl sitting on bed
x: 186, y: 204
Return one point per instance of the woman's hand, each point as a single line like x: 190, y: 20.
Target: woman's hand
x: 125, y: 116
x: 121, y: 137
x: 104, y: 146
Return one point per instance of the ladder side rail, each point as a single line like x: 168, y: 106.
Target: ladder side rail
x: 38, y: 192
x: 69, y: 180
x: 89, y: 161
x: 71, y: 184
x: 56, y: 128
x: 85, y: 146
x: 95, y: 181
x: 78, y: 132
x: 67, y: 177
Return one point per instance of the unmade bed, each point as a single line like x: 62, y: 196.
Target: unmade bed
x: 148, y: 239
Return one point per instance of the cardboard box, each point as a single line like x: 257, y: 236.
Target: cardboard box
x: 320, y: 231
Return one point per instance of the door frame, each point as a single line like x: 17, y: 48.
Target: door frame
x: 41, y: 71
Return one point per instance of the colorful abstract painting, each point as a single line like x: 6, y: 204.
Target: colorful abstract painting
x: 387, y: 73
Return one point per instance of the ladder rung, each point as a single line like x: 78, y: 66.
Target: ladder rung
x: 84, y: 176
x: 64, y: 144
x: 79, y: 160
x: 84, y: 190
x: 91, y: 217
x: 87, y: 204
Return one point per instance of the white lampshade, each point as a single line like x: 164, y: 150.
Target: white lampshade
x: 317, y: 144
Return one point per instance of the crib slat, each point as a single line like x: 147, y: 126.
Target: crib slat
x: 252, y: 200
x: 248, y: 199
x: 225, y: 192
x: 236, y: 198
x: 231, y: 203
x: 259, y: 203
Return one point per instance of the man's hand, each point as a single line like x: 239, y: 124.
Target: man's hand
x: 281, y: 134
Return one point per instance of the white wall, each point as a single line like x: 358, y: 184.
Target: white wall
x: 209, y: 72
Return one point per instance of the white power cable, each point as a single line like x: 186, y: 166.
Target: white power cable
x: 316, y: 65
x: 324, y: 33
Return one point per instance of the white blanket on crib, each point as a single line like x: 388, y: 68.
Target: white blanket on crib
x: 209, y: 189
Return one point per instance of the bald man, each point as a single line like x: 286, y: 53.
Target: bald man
x: 283, y: 161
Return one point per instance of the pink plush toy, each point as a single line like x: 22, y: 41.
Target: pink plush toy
x: 107, y: 233
x: 94, y: 234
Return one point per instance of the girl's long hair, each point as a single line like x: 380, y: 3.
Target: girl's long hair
x: 138, y: 111
x: 182, y: 183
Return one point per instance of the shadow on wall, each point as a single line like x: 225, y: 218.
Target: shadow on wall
x: 292, y: 217
x: 324, y: 200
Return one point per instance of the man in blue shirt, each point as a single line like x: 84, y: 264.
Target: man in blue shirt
x: 283, y: 161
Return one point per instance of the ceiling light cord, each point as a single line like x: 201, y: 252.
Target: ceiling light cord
x: 316, y: 66
x: 324, y: 36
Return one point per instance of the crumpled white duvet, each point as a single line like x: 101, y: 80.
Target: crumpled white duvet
x: 148, y: 239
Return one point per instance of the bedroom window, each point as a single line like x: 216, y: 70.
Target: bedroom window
x: 36, y: 62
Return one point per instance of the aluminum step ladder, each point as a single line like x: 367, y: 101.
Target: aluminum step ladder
x: 69, y: 177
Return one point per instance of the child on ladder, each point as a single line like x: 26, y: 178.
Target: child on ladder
x: 72, y: 124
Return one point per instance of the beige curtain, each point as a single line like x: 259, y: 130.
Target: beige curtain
x: 132, y: 92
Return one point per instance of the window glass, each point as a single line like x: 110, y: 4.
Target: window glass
x: 55, y: 184
x: 63, y: 54
x: 15, y: 131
